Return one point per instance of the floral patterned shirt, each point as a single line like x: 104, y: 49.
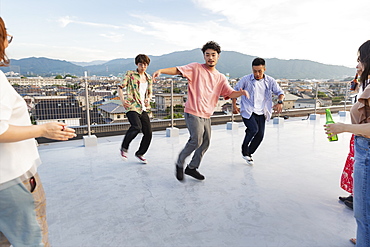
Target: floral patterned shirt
x: 131, y: 81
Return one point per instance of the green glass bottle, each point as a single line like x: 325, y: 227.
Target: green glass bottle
x: 329, y: 120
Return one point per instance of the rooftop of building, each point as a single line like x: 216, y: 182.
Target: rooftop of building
x: 288, y: 198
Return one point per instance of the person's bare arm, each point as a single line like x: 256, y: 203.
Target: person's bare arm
x: 239, y: 93
x: 54, y: 130
x: 167, y: 71
x: 357, y: 129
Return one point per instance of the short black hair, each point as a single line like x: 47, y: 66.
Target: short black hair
x: 258, y: 61
x: 211, y: 45
x: 142, y: 58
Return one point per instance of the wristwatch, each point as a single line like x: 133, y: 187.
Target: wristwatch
x: 280, y: 102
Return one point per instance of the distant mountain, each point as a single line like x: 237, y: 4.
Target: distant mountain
x: 96, y: 62
x: 234, y: 63
x: 42, y: 66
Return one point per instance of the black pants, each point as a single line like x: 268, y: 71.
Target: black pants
x: 253, y: 134
x: 139, y: 122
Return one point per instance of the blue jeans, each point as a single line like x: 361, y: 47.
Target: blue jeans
x: 361, y: 188
x: 253, y: 134
x: 23, y: 215
x: 200, y: 135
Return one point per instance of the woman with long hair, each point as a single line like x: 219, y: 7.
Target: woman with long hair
x: 22, y: 197
x: 360, y: 127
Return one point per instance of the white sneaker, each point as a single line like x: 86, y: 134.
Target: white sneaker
x: 249, y: 160
x: 124, y: 155
x: 142, y: 159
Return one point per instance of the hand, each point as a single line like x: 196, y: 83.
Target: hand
x: 244, y: 92
x: 57, y: 131
x: 236, y: 109
x: 278, y: 108
x: 156, y: 74
x: 126, y: 104
x: 146, y: 103
x: 333, y: 129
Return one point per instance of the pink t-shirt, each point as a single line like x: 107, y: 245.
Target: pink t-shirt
x: 204, y: 89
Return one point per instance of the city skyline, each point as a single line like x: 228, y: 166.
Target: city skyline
x: 83, y: 32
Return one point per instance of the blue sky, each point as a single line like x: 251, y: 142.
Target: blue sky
x: 326, y: 31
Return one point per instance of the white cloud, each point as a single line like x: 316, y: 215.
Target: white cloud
x: 328, y: 31
x: 184, y: 34
x: 114, y: 37
x: 319, y: 30
x: 66, y: 20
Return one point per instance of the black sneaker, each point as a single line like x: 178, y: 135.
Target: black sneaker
x: 348, y: 198
x: 349, y: 204
x: 179, y: 173
x: 194, y: 173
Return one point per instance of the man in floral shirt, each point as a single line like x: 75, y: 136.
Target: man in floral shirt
x: 139, y: 88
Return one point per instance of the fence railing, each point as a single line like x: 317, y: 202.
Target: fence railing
x: 94, y: 109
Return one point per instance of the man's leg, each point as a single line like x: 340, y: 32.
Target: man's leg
x: 258, y: 137
x: 250, y: 132
x: 147, y: 134
x: 198, y: 154
x: 133, y: 131
x: 196, y: 131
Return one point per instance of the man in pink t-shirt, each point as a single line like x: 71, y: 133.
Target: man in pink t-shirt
x: 205, y: 86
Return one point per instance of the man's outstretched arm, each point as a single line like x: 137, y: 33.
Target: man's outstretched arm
x: 167, y: 71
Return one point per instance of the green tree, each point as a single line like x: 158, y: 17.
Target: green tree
x: 73, y: 86
x: 176, y: 108
x: 321, y: 95
x: 69, y: 75
x: 337, y: 100
x: 175, y: 115
x: 58, y: 77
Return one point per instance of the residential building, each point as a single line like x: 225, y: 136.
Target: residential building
x: 289, y: 100
x: 37, y: 81
x: 66, y: 111
x: 112, y: 112
x: 306, y: 103
x: 164, y: 100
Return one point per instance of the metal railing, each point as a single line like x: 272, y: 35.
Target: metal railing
x: 91, y: 110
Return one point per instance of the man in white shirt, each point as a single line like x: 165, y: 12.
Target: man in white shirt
x: 256, y: 109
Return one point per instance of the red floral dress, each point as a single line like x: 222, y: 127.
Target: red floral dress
x: 346, y: 181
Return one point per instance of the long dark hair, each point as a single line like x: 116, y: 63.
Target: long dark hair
x: 4, y: 61
x: 364, y: 58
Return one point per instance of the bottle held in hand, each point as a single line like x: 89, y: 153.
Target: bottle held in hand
x: 354, y: 83
x: 329, y: 120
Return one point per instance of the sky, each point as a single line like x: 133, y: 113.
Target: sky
x: 325, y: 31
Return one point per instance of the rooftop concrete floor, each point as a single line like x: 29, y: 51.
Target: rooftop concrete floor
x: 288, y: 198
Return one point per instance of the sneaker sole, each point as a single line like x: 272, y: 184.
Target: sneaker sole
x: 123, y: 158
x: 142, y: 161
x: 191, y: 175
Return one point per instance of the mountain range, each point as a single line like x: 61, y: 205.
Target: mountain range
x: 234, y: 63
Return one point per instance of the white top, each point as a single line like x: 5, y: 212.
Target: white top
x: 259, y: 97
x: 17, y: 159
x: 142, y: 90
